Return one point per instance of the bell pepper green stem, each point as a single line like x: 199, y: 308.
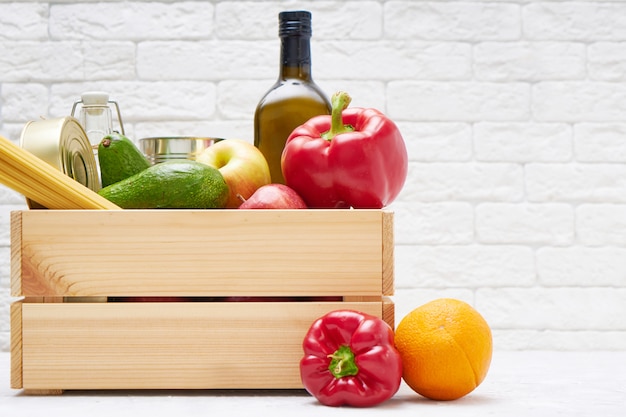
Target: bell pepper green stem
x: 339, y: 102
x: 342, y: 363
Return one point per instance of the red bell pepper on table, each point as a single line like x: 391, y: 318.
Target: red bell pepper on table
x: 355, y: 157
x: 350, y: 359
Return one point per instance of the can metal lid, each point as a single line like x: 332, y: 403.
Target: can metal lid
x: 62, y: 143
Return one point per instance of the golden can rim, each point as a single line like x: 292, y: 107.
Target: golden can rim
x: 62, y: 143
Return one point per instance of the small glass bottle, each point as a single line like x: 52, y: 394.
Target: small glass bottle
x: 294, y: 98
x: 95, y: 116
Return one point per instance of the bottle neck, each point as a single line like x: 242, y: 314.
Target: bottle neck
x: 295, y: 57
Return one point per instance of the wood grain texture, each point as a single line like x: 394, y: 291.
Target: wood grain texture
x: 43, y: 391
x: 204, y: 252
x: 66, y: 262
x: 16, y: 253
x: 168, y: 345
x: 389, y: 312
x: 388, y: 246
x: 16, y: 344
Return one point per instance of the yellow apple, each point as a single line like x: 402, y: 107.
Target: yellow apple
x: 242, y: 165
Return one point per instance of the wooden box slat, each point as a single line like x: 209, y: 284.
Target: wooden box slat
x: 167, y: 345
x: 16, y: 344
x: 202, y: 253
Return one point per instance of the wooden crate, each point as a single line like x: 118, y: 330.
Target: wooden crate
x: 68, y: 266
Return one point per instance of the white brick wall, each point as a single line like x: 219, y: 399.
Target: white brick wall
x: 514, y: 114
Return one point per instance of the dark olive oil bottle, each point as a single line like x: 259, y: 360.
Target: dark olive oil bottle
x: 294, y: 98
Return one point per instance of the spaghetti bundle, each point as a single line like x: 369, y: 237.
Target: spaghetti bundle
x: 37, y: 180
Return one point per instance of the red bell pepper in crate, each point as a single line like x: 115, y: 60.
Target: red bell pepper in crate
x: 355, y: 157
x: 350, y: 359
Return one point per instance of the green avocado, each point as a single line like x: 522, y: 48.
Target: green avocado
x: 176, y: 184
x: 119, y: 158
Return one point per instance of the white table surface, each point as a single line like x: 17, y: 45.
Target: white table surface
x: 530, y: 383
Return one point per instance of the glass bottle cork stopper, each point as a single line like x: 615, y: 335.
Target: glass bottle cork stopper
x: 95, y: 98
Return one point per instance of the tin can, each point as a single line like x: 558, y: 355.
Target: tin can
x: 62, y: 143
x: 161, y: 149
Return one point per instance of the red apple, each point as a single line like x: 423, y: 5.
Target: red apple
x: 242, y: 165
x: 274, y: 196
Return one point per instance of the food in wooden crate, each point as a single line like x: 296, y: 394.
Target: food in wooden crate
x: 242, y: 165
x: 119, y: 158
x: 354, y: 158
x: 39, y: 181
x: 274, y: 196
x: 172, y: 184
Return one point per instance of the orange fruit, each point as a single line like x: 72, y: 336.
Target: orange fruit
x: 446, y: 348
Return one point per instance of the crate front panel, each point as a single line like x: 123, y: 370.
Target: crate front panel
x: 201, y: 252
x: 167, y: 345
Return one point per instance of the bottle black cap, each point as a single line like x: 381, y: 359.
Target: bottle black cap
x: 296, y: 22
